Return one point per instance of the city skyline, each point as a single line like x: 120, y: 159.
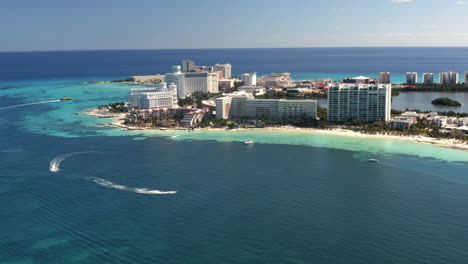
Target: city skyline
x: 208, y: 24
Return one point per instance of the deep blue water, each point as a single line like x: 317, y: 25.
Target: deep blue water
x: 269, y: 203
x: 302, y: 62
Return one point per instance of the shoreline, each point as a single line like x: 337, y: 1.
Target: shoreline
x: 442, y: 142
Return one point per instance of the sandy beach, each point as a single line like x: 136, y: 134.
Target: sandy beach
x: 449, y: 143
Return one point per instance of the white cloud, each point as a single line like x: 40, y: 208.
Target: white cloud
x: 402, y: 1
x: 460, y: 2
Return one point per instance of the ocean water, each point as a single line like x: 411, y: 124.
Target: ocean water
x: 74, y: 190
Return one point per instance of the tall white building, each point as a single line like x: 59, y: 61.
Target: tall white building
x: 428, y: 78
x: 262, y: 108
x: 448, y: 77
x: 223, y: 107
x: 454, y: 77
x: 188, y: 65
x: 249, y: 79
x: 243, y: 105
x: 151, y: 98
x: 176, y: 77
x: 280, y: 108
x: 191, y: 82
x: 225, y: 69
x: 411, y: 77
x: 205, y: 82
x: 297, y: 108
x: 466, y: 78
x: 136, y: 98
x: 385, y: 78
x: 365, y: 102
x: 238, y: 106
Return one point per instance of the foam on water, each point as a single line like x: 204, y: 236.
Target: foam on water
x: 111, y: 185
x: 19, y: 105
x: 55, y: 163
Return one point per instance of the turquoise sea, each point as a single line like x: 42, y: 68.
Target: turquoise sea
x: 76, y: 191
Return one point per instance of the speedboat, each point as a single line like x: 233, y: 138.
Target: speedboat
x: 374, y: 160
x: 249, y: 142
x: 65, y: 98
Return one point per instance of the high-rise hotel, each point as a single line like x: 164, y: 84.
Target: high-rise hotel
x: 428, y: 78
x: 191, y: 82
x: 365, y: 102
x: 384, y: 77
x: 411, y: 77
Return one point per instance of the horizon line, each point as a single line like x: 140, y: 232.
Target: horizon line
x: 317, y: 47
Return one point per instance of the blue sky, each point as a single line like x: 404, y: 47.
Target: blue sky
x: 162, y: 24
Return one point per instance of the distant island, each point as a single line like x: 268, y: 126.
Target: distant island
x: 445, y: 101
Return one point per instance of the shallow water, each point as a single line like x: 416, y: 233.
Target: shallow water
x: 205, y: 197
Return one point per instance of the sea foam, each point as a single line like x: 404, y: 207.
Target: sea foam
x: 55, y: 163
x: 19, y: 105
x: 111, y: 185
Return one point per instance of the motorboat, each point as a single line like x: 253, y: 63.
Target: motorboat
x: 374, y: 160
x: 248, y: 142
x: 65, y: 99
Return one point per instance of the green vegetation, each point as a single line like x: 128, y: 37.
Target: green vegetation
x: 124, y: 80
x: 115, y: 107
x: 322, y: 113
x: 433, y: 88
x: 291, y: 96
x: 447, y: 113
x: 445, y: 101
x: 420, y: 128
x: 197, y: 98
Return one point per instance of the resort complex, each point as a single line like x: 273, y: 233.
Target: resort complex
x: 193, y: 96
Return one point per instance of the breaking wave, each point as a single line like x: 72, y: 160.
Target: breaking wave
x: 55, y: 163
x: 111, y: 185
x: 19, y: 105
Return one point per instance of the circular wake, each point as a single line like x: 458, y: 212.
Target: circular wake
x: 55, y: 163
x: 111, y: 185
x: 55, y: 167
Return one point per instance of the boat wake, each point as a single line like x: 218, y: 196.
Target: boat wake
x: 55, y: 163
x: 19, y: 105
x: 111, y: 185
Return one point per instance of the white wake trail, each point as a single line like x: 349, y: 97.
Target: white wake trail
x: 111, y: 185
x: 19, y: 105
x: 55, y: 163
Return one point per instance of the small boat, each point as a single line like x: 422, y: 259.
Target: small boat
x: 162, y: 128
x: 65, y: 99
x: 249, y: 142
x: 374, y: 160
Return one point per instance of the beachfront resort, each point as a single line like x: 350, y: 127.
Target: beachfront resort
x: 192, y: 97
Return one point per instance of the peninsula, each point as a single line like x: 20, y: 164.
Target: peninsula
x: 194, y: 98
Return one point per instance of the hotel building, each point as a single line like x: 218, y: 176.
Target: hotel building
x: 188, y: 65
x: 297, y: 108
x: 411, y: 77
x: 223, y: 107
x: 448, y: 77
x: 154, y: 98
x: 428, y: 78
x: 238, y: 106
x: 191, y: 82
x: 249, y: 79
x: 244, y: 106
x: 263, y: 108
x: 365, y: 102
x: 384, y: 78
x: 225, y: 69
